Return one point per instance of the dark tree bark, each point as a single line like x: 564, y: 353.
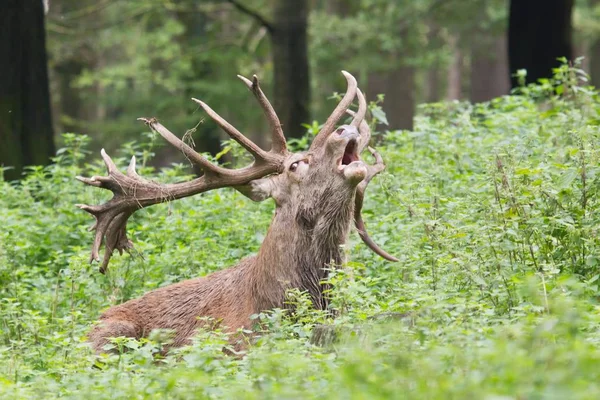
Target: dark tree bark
x: 455, y: 72
x: 26, y: 135
x: 207, y: 139
x: 343, y: 8
x: 290, y: 65
x: 489, y: 69
x: 540, y: 31
x: 71, y: 112
x: 432, y: 84
x: 289, y: 49
x: 70, y: 103
x: 398, y: 86
x: 595, y: 63
x: 595, y: 56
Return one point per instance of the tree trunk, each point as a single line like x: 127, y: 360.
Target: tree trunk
x: 539, y: 32
x: 71, y: 110
x: 26, y: 135
x: 398, y: 86
x: 70, y: 103
x: 432, y: 84
x: 595, y: 63
x: 489, y: 70
x: 342, y: 8
x: 454, y: 89
x: 290, y: 65
x: 207, y: 140
x: 594, y: 56
x: 432, y: 75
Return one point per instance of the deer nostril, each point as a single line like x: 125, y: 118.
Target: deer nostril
x: 346, y: 130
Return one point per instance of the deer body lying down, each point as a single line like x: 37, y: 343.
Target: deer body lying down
x: 317, y: 194
x: 232, y: 295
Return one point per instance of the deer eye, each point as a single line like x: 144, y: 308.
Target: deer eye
x: 293, y: 166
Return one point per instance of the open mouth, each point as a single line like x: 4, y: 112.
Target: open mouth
x: 350, y: 154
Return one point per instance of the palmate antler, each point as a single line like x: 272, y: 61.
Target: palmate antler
x: 132, y: 192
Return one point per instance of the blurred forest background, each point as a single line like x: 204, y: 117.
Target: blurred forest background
x: 111, y: 61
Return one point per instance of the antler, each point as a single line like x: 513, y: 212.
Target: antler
x: 372, y: 170
x: 329, y: 125
x: 278, y: 139
x: 132, y: 192
x: 359, y: 120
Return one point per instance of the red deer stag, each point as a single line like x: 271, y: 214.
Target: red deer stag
x: 317, y: 194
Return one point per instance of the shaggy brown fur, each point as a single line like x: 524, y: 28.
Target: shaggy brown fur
x: 315, y: 203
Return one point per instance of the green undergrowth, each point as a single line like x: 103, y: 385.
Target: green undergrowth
x: 492, y: 210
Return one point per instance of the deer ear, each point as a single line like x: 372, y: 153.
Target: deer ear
x: 258, y: 189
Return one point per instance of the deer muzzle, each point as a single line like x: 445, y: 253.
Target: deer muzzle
x: 355, y: 172
x: 345, y: 144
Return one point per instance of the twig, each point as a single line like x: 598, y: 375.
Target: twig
x: 243, y: 9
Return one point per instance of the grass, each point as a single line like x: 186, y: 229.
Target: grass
x: 492, y: 209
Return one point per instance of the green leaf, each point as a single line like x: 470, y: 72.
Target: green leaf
x: 225, y: 150
x: 379, y: 115
x: 567, y: 177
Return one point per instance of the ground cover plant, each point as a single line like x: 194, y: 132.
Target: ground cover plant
x: 492, y: 209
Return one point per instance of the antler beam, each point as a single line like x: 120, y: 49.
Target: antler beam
x: 359, y: 121
x: 278, y: 139
x: 132, y: 192
x: 372, y: 170
x: 329, y: 125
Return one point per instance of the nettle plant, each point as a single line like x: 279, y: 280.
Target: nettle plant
x: 535, y: 179
x: 317, y: 193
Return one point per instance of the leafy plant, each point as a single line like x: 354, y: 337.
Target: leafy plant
x: 492, y: 209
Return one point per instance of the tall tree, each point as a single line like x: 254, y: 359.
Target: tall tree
x: 595, y: 50
x: 489, y: 68
x: 195, y: 32
x: 455, y: 71
x: 68, y: 58
x: 433, y: 82
x: 290, y: 64
x: 289, y: 48
x: 26, y: 135
x: 539, y: 32
x: 398, y: 86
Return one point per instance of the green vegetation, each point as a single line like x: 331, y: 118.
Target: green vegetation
x: 492, y: 209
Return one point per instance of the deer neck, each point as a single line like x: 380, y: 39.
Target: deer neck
x: 298, y: 250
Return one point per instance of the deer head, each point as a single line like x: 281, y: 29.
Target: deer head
x: 317, y: 192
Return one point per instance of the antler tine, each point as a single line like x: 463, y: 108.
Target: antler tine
x: 110, y: 165
x: 132, y: 192
x: 337, y: 113
x: 190, y: 153
x: 360, y: 122
x: 113, y: 228
x: 111, y: 217
x: 362, y: 109
x: 258, y: 153
x: 372, y: 170
x: 131, y: 168
x: 279, y: 144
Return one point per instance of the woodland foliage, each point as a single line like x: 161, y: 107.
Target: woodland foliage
x: 492, y: 209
